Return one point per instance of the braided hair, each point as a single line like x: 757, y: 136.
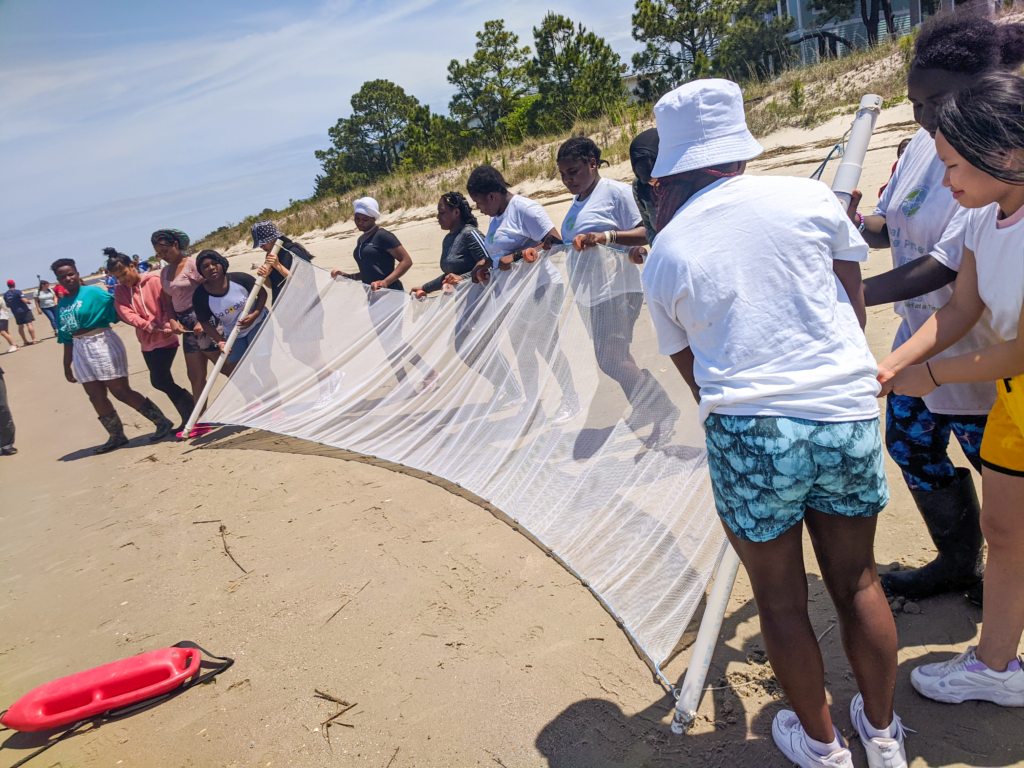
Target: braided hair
x: 458, y: 202
x: 580, y: 148
x: 486, y: 179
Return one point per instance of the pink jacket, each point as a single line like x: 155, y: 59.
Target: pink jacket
x: 143, y: 307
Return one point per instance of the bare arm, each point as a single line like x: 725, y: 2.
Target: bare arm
x: 875, y: 233
x: 683, y: 361
x: 943, y: 329
x: 69, y: 373
x: 915, y: 278
x: 404, y: 264
x: 848, y: 273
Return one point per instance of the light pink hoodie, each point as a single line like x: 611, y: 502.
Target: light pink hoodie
x: 142, y: 306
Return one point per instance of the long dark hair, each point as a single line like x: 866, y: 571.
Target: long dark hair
x: 457, y: 201
x: 985, y: 124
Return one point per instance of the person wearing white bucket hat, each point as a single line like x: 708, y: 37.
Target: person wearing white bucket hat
x: 754, y: 288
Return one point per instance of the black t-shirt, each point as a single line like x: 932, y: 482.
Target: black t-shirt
x: 285, y: 255
x: 460, y: 252
x: 16, y: 303
x: 374, y: 260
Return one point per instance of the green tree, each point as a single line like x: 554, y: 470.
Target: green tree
x: 490, y: 84
x: 754, y: 47
x: 432, y: 140
x: 578, y: 75
x: 366, y: 145
x: 871, y: 13
x: 676, y: 32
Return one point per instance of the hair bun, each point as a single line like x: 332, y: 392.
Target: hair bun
x: 110, y: 252
x: 1011, y: 44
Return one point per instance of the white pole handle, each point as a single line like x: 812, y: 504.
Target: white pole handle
x: 187, y: 431
x: 849, y: 170
x: 707, y: 638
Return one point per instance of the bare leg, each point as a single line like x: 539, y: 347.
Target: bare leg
x: 845, y: 550
x: 7, y: 338
x: 97, y: 392
x: 1003, y: 614
x: 777, y: 574
x: 120, y: 389
x: 32, y: 331
x: 195, y: 365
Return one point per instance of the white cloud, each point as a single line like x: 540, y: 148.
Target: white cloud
x: 227, y: 119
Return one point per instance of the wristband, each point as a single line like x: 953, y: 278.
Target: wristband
x: 928, y: 365
x: 611, y: 237
x: 861, y: 224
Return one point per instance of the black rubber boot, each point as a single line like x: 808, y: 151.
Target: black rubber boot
x: 184, y: 405
x: 112, y: 423
x: 164, y: 426
x: 952, y: 516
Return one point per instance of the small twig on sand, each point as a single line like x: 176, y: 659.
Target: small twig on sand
x: 346, y: 602
x: 328, y: 697
x: 830, y: 628
x: 392, y: 758
x: 329, y: 720
x: 223, y: 531
x: 200, y: 522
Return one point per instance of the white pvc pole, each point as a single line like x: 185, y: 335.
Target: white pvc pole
x: 187, y: 431
x: 848, y: 172
x: 707, y: 638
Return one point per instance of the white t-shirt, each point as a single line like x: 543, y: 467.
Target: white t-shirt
x: 522, y: 224
x: 5, y: 314
x: 228, y: 309
x: 596, y: 280
x: 923, y: 218
x: 998, y: 248
x: 743, y: 275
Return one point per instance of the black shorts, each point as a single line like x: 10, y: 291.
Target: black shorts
x: 23, y: 318
x: 3, y: 326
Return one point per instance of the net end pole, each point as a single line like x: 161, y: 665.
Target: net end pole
x: 186, y: 433
x: 848, y: 173
x: 707, y: 638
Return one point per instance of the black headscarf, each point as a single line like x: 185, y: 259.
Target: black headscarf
x: 643, y: 152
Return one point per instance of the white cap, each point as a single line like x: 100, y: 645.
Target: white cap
x: 366, y: 206
x: 701, y: 124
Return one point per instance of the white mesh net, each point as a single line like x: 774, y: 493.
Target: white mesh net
x: 550, y: 402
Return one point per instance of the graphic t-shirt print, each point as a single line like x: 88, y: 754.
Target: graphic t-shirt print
x: 913, y: 201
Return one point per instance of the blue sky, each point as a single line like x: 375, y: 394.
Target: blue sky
x: 118, y: 117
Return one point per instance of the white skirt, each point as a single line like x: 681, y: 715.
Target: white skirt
x: 99, y: 357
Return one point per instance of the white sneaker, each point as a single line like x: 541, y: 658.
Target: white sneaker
x: 882, y: 752
x: 964, y: 678
x: 13, y: 348
x: 791, y: 738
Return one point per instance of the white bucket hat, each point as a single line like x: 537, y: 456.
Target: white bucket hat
x: 700, y: 124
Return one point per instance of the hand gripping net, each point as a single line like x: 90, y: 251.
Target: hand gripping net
x: 550, y: 402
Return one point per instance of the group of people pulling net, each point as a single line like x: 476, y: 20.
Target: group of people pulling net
x: 613, y: 413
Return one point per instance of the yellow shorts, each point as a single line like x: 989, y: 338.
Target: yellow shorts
x: 1002, y: 448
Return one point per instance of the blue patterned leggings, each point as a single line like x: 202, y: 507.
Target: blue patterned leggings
x: 918, y: 440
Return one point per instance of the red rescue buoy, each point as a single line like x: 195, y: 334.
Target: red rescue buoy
x: 96, y: 691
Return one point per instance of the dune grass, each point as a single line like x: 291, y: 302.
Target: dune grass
x: 798, y: 97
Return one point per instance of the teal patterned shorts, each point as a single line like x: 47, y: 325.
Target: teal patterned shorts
x: 766, y: 470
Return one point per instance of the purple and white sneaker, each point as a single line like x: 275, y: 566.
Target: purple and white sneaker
x: 882, y: 751
x: 964, y: 678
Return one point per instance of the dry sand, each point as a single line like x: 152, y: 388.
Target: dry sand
x: 460, y: 642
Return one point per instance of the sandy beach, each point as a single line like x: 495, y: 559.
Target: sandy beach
x: 458, y: 641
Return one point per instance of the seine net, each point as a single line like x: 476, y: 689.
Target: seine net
x: 540, y: 391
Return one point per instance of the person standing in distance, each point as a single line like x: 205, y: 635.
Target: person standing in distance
x: 22, y: 312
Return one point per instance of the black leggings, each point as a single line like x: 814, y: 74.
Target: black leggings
x: 159, y: 363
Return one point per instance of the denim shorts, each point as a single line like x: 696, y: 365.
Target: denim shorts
x: 767, y: 470
x: 242, y: 342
